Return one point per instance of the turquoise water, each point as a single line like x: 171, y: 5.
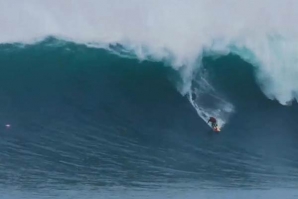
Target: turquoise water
x: 86, y: 123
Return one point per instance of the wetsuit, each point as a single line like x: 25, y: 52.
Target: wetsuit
x: 213, y: 121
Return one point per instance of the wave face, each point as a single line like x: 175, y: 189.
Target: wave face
x: 264, y: 33
x: 106, y: 96
x: 88, y: 119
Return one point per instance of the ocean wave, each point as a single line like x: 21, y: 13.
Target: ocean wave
x: 264, y: 33
x: 82, y: 116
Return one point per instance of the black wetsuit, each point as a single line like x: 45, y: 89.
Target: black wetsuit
x: 213, y: 121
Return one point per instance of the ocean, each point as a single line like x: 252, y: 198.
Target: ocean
x: 96, y: 113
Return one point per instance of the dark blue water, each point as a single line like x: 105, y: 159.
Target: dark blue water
x: 86, y: 123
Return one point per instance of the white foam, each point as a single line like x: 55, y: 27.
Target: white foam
x: 264, y: 32
x: 200, y: 93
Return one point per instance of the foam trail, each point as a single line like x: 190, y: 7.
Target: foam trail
x: 263, y: 32
x: 208, y: 102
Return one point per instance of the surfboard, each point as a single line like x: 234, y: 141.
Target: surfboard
x: 216, y: 129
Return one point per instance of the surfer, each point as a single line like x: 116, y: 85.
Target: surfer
x: 213, y: 122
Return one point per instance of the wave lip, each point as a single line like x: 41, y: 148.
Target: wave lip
x: 83, y: 116
x: 264, y: 33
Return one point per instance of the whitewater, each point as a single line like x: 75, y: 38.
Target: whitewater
x: 110, y: 99
x: 264, y: 33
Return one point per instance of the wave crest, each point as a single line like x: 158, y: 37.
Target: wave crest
x: 263, y: 33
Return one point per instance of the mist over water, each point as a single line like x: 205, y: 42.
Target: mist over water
x: 264, y: 33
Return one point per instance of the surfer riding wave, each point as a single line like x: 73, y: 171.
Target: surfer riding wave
x: 214, y: 124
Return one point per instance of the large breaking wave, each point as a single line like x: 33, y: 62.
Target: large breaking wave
x: 83, y: 116
x: 264, y: 33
